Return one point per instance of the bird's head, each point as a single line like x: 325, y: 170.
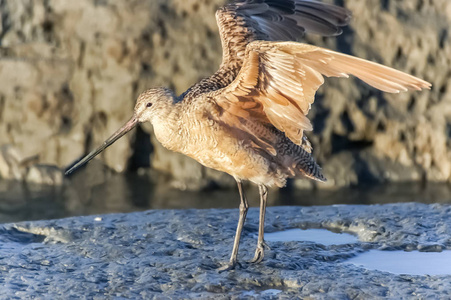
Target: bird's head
x: 153, y: 102
x: 150, y: 104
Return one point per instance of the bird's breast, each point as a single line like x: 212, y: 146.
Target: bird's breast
x: 219, y: 147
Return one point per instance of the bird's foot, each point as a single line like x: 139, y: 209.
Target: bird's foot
x: 229, y: 266
x: 260, y: 252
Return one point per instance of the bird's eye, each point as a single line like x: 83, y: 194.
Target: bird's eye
x: 148, y: 104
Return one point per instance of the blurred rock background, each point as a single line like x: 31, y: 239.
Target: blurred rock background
x: 70, y: 72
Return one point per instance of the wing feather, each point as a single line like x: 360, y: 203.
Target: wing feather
x: 281, y: 78
x: 244, y: 21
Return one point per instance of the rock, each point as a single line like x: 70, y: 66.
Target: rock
x: 176, y: 253
x: 71, y: 72
x: 42, y: 174
x: 10, y: 159
x: 14, y: 167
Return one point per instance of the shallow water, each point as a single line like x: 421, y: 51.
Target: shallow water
x: 396, y: 262
x: 320, y: 236
x: 267, y: 293
x: 88, y: 193
x: 402, y: 262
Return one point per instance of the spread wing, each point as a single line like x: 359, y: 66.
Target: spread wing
x: 278, y: 81
x: 244, y: 21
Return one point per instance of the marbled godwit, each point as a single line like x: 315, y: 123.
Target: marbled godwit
x: 249, y: 118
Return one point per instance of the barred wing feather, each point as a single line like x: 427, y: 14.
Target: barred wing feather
x: 278, y: 81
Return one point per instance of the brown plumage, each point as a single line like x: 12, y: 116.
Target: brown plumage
x: 248, y: 119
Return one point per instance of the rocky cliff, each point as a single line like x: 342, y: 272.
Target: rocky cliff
x: 70, y: 72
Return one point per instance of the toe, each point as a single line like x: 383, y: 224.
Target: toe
x: 229, y: 266
x: 258, y: 257
x: 266, y: 246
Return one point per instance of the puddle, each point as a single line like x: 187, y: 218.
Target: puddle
x: 270, y: 292
x: 320, y: 236
x: 396, y: 262
x: 402, y: 262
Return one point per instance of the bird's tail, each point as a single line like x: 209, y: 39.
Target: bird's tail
x: 306, y: 165
x: 299, y: 159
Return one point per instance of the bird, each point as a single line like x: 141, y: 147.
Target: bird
x: 250, y: 117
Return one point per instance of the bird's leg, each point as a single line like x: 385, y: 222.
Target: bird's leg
x: 259, y: 252
x: 243, y: 212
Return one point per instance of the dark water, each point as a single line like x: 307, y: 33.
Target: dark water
x: 91, y: 193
